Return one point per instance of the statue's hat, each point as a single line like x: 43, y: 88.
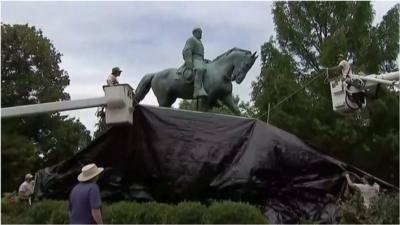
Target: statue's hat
x: 196, y: 29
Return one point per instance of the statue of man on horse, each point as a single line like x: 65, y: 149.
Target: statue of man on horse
x: 193, y: 54
x: 198, y: 77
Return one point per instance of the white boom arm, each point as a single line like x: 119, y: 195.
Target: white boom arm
x: 387, y: 78
x: 118, y: 101
x: 52, y: 107
x: 341, y: 91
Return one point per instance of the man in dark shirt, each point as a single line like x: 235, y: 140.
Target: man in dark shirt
x: 85, y: 199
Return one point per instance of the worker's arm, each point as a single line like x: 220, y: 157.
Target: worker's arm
x: 334, y: 71
x: 95, y: 204
x: 96, y: 213
x: 349, y: 180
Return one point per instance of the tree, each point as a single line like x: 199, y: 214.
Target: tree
x: 31, y: 74
x: 309, y: 36
x: 387, y: 36
x: 101, y: 125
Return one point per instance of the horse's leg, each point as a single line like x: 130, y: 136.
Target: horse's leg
x: 166, y: 101
x: 161, y: 91
x: 204, y: 104
x: 164, y: 96
x: 228, y: 101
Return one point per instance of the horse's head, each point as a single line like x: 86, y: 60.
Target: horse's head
x: 244, y: 61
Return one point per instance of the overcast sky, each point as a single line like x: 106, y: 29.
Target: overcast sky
x: 143, y: 37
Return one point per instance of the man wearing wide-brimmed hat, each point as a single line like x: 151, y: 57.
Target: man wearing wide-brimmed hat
x: 85, y: 199
x: 112, y: 78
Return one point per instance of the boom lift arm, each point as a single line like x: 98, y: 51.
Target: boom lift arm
x: 118, y: 101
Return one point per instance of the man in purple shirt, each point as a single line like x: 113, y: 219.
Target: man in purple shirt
x: 85, y: 199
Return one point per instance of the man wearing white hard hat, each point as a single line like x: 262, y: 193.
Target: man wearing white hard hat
x: 85, y: 199
x: 25, y: 190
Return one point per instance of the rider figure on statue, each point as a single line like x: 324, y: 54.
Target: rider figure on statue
x: 193, y: 54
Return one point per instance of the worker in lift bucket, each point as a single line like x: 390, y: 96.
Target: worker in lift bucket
x: 112, y: 78
x: 343, y: 66
x: 352, y: 91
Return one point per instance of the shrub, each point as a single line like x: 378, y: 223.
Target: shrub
x: 48, y: 211
x: 152, y: 212
x: 189, y: 213
x: 14, y: 219
x: 121, y: 213
x: 56, y: 212
x: 10, y: 205
x: 234, y: 213
x: 13, y: 211
x: 353, y: 210
x: 384, y: 209
x: 59, y: 214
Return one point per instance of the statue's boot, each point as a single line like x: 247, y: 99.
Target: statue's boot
x: 198, y: 86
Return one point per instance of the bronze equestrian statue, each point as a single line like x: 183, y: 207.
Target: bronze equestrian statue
x: 199, y: 78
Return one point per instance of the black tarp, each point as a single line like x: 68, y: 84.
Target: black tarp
x: 172, y: 155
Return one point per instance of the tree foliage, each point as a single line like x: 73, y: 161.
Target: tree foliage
x: 101, y: 125
x: 309, y: 36
x: 30, y: 74
x: 387, y: 34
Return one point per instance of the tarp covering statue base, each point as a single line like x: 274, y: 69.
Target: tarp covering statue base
x: 170, y: 155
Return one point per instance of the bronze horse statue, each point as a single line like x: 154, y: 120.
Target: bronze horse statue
x: 168, y: 85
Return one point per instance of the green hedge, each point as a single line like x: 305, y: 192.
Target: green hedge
x: 56, y: 212
x: 384, y: 209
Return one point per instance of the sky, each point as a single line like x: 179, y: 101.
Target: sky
x: 143, y: 37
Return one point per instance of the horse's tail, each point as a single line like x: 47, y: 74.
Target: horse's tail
x: 144, y: 87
